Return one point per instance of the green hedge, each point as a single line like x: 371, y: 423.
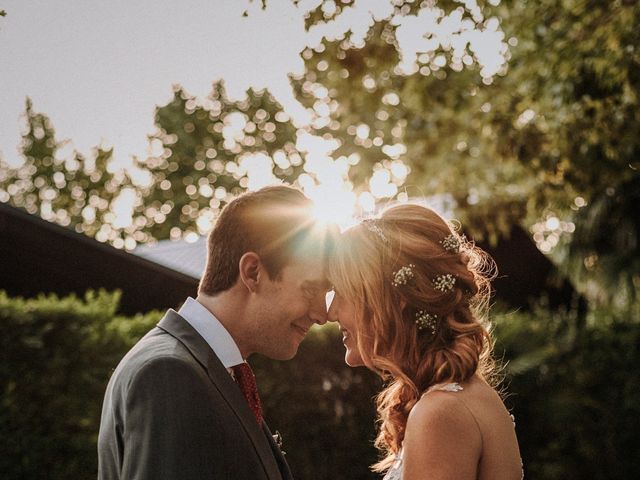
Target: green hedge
x: 57, y: 357
x: 575, y: 391
x: 574, y: 388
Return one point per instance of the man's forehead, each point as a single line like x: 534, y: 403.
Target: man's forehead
x: 309, y: 270
x: 304, y: 262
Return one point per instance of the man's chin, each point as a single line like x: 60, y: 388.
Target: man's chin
x: 285, y: 353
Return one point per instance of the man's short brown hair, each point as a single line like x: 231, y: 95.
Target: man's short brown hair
x: 274, y: 222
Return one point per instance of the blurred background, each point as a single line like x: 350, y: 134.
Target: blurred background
x: 126, y: 128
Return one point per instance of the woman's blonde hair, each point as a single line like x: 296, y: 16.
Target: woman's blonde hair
x: 363, y: 269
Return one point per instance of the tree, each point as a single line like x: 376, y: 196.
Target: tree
x: 419, y: 122
x: 208, y: 152
x: 64, y: 187
x: 534, y: 143
x: 35, y: 183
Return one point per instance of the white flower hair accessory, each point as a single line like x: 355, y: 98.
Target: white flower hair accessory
x: 426, y: 321
x: 402, y: 276
x: 452, y: 243
x: 444, y: 283
x: 370, y: 224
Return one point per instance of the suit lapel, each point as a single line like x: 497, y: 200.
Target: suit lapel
x: 278, y: 453
x: 178, y: 327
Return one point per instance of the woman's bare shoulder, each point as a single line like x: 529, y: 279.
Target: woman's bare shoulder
x: 442, y: 437
x: 443, y: 413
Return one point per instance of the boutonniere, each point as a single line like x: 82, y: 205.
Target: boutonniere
x: 278, y: 439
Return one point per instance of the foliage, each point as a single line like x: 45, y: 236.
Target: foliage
x: 206, y: 151
x: 77, y: 191
x: 547, y: 139
x: 57, y: 357
x: 551, y: 134
x: 428, y: 117
x: 576, y: 73
x: 574, y: 391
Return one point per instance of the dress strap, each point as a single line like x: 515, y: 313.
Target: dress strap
x: 445, y: 387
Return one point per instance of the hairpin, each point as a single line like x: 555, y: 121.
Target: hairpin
x: 425, y: 320
x: 451, y: 243
x: 370, y: 225
x: 402, y: 276
x: 444, y: 283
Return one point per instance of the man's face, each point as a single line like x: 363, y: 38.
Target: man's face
x: 288, y: 307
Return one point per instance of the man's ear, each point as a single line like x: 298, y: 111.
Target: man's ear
x: 250, y: 267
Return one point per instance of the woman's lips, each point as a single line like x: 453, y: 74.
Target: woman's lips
x: 346, y: 335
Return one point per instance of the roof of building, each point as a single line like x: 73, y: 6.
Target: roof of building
x: 37, y: 256
x: 187, y: 257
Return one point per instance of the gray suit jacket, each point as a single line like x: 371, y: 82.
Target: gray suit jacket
x: 172, y: 411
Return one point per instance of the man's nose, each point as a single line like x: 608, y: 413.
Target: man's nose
x: 318, y: 311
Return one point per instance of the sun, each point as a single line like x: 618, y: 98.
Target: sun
x: 333, y: 204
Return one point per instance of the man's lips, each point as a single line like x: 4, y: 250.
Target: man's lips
x: 302, y: 330
x: 346, y: 335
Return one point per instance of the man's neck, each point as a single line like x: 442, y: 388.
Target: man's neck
x: 230, y: 313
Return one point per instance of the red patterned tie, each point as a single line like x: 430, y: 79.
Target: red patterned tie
x: 246, y: 380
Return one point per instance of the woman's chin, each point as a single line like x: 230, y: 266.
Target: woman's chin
x: 353, y: 359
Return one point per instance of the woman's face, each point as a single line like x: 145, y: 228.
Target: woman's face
x: 343, y: 312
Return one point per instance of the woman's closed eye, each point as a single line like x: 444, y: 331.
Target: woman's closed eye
x: 311, y: 291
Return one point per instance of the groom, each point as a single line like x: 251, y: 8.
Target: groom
x: 183, y: 404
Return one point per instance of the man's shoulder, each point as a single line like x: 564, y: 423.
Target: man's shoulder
x: 156, y: 347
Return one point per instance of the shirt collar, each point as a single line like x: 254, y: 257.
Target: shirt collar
x: 213, y: 332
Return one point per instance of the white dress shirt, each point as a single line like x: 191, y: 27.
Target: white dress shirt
x: 213, y: 332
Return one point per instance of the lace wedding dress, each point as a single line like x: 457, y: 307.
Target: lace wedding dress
x: 395, y: 472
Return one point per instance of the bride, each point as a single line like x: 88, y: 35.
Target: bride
x: 410, y: 294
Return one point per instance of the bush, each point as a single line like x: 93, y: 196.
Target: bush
x: 58, y: 354
x: 575, y: 392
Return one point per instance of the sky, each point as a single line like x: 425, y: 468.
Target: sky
x: 98, y: 69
